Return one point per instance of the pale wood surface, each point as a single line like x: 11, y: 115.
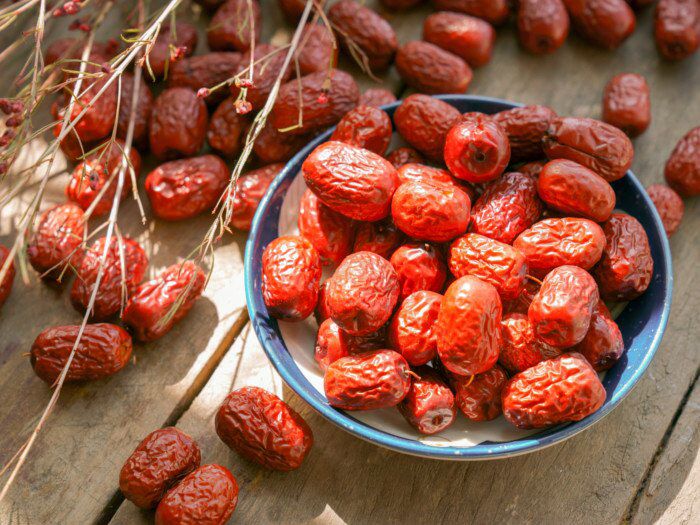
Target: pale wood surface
x: 607, y: 474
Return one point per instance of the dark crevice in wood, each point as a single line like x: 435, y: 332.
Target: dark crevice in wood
x: 185, y: 402
x: 643, y: 485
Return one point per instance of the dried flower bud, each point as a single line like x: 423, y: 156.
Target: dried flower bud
x: 243, y: 107
x: 6, y: 106
x: 70, y: 8
x: 58, y: 12
x: 177, y: 53
x: 243, y: 83
x: 85, y: 28
x: 7, y: 137
x: 203, y: 92
x: 323, y: 97
x: 17, y: 106
x: 3, y: 167
x: 13, y: 121
x: 106, y: 68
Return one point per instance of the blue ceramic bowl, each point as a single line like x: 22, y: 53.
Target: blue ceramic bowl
x: 642, y: 321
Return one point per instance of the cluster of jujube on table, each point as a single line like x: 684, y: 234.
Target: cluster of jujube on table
x: 479, y: 288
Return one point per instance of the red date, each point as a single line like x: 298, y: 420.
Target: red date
x: 430, y: 69
x: 365, y: 127
x: 380, y: 237
x: 677, y: 28
x: 466, y: 36
x: 682, y: 170
x: 235, y: 26
x: 521, y: 349
x: 317, y: 50
x: 429, y: 405
x: 272, y: 146
x: 205, y: 71
x: 525, y: 127
x: 332, y: 343
x: 478, y: 397
x: 413, y: 328
x: 626, y: 103
x: 182, y: 36
x: 493, y: 11
x: 606, y: 23
x: 330, y: 232
x: 603, y: 344
x: 178, y: 124
x: 377, y: 97
x: 267, y: 63
x: 420, y: 266
x: 543, y: 25
x: 227, y: 129
x: 404, y: 155
x: 669, y: 205
x: 250, y: 189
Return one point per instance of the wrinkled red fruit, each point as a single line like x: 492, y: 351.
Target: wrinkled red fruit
x: 205, y: 71
x: 429, y: 405
x: 207, y: 496
x: 362, y: 293
x: 669, y: 205
x: 118, y: 280
x: 555, y: 242
x: 508, y: 206
x: 491, y: 261
x: 100, y: 114
x: 430, y: 69
x: 682, y: 170
x: 367, y: 382
x: 525, y: 127
x: 182, y: 37
x: 321, y: 312
x: 291, y: 272
x: 419, y: 266
x: 250, y: 189
x: 570, y: 188
x: 316, y: 51
x: 477, y: 149
x: 262, y: 428
x: 543, y: 25
x: 330, y: 232
x: 104, y: 349
x: 142, y: 113
x: 235, y: 25
x: 521, y: 349
x: 332, y: 343
x: 9, y: 277
x: 376, y: 97
x: 404, y: 155
x: 227, y: 129
x: 677, y: 28
x: 555, y: 391
x: 267, y: 64
x: 159, y: 462
x: 532, y: 168
x: 351, y: 180
x: 182, y: 189
x: 413, y: 172
x: 412, y: 331
x: 493, y: 11
x: 561, y: 311
x: 606, y: 23
x: 157, y: 305
x: 626, y: 267
x: 178, y: 124
x: 603, y: 344
x: 468, y: 326
x: 57, y: 240
x: 424, y: 122
x: 478, y: 397
x: 626, y: 103
x: 380, y: 237
x: 365, y: 127
x: 466, y: 36
x: 272, y: 146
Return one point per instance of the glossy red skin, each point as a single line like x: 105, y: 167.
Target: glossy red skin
x: 491, y: 261
x: 555, y: 242
x: 508, y: 206
x: 114, y: 283
x: 351, y: 180
x: 404, y: 155
x: 380, y: 237
x: 207, y: 496
x: 376, y: 97
x: 8, y: 279
x: 677, y: 28
x: 57, y: 240
x: 182, y: 189
x: 332, y: 343
x: 478, y: 397
x: 420, y: 266
x: 555, y: 391
x: 205, y: 71
x: 413, y: 328
x: 429, y: 406
x: 142, y: 113
x: 626, y: 267
x: 525, y: 127
x: 262, y: 428
x: 234, y: 26
x: 493, y: 11
x: 148, y: 306
x: 317, y: 113
x: 99, y: 168
x: 158, y: 463
x: 98, y: 120
x: 362, y: 293
x: 268, y: 61
x: 365, y: 127
x: 543, y: 25
x: 291, y: 273
x: 424, y: 122
x: 669, y: 205
x: 521, y: 349
x: 367, y: 382
x: 468, y: 326
x: 104, y: 349
x: 227, y: 129
x: 422, y: 173
x: 477, y: 150
x: 561, y: 310
x: 596, y: 145
x: 603, y: 345
x: 430, y: 69
x: 570, y: 188
x: 466, y: 36
x: 682, y: 169
x: 331, y: 233
x: 369, y: 33
x: 184, y: 36
x: 316, y: 51
x: 178, y: 124
x: 271, y: 146
x: 321, y: 312
x: 606, y: 23
x: 434, y: 212
x: 626, y: 103
x: 250, y: 189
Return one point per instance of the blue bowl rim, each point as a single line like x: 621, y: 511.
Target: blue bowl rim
x: 480, y: 451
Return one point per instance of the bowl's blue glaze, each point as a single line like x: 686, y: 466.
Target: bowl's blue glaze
x: 642, y: 322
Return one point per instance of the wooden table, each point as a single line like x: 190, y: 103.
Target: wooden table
x: 638, y: 465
